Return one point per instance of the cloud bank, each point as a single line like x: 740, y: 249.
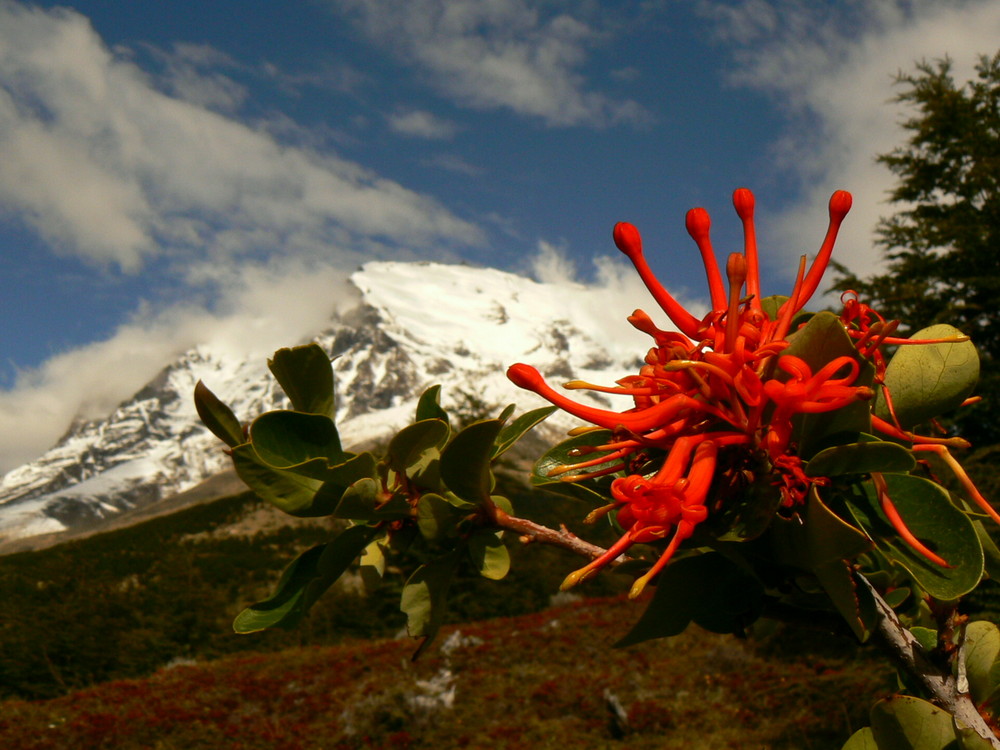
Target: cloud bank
x: 505, y: 54
x: 120, y: 168
x: 105, y: 166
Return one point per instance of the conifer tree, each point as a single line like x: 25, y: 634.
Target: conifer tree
x: 942, y: 245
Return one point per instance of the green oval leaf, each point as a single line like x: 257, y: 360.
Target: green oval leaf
x: 217, y: 417
x: 284, y: 607
x: 363, y: 501
x: 292, y: 492
x: 285, y: 439
x: 863, y: 739
x: 816, y: 537
x: 928, y: 512
x: 436, y: 517
x: 771, y: 305
x: 854, y: 603
x: 489, y: 554
x: 429, y: 405
x: 560, y: 455
x: 304, y: 581
x: 969, y: 739
x: 513, y: 432
x: 928, y: 380
x: 425, y: 597
x: 465, y: 462
x: 903, y: 722
x: 371, y: 564
x: 861, y: 458
x: 306, y: 376
x: 981, y: 649
x: 415, y: 449
x: 709, y: 589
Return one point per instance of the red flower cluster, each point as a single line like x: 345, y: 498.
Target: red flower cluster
x: 716, y: 399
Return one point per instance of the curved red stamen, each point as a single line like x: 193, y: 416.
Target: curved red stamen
x: 889, y: 508
x: 628, y: 240
x: 641, y: 321
x: 743, y: 202
x: 887, y: 428
x: 826, y: 373
x: 736, y: 272
x: 840, y: 204
x: 963, y: 478
x: 652, y: 417
x: 787, y: 310
x: 698, y: 224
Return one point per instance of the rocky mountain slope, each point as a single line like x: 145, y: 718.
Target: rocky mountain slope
x: 417, y: 324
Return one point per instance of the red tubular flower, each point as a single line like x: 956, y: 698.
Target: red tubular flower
x: 805, y: 393
x: 671, y: 503
x: 698, y: 224
x: 743, y: 202
x: 628, y: 240
x: 713, y: 405
x: 840, y: 204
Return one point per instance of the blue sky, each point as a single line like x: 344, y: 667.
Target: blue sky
x: 180, y: 172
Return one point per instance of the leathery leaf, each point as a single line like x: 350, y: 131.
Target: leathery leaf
x: 929, y: 514
x: 425, y: 597
x: 465, y: 462
x: 927, y: 380
x: 306, y: 376
x: 304, y: 581
x: 217, y: 417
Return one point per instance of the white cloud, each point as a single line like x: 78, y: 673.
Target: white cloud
x: 104, y: 165
x: 497, y: 54
x: 833, y: 67
x: 421, y: 124
x: 602, y: 306
x: 453, y: 163
x: 259, y: 309
x: 191, y: 72
x: 551, y: 265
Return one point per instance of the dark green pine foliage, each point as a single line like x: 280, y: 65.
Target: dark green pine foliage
x: 943, y: 244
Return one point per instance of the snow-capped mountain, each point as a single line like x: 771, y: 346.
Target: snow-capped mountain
x: 417, y: 324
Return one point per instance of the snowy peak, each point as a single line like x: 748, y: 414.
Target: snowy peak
x: 418, y: 324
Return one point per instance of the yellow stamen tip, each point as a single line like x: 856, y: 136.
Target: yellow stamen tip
x: 574, y: 578
x: 599, y: 513
x: 638, y: 587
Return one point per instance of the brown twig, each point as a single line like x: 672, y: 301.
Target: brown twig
x: 535, y: 532
x: 907, y: 654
